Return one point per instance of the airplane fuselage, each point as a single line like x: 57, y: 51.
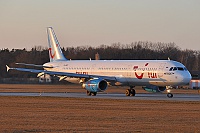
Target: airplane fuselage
x: 128, y: 72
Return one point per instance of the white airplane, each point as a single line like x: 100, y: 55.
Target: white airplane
x: 96, y: 75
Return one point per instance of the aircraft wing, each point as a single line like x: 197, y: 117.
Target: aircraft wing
x: 42, y: 66
x: 74, y: 75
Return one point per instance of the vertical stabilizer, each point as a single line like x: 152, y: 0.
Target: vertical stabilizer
x: 55, y: 52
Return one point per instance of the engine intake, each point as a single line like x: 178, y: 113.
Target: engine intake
x: 95, y: 85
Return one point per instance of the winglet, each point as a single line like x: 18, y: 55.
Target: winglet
x: 7, y: 68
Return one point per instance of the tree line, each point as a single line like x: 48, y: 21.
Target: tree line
x: 135, y: 51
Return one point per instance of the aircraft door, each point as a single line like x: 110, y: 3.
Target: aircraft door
x: 93, y: 69
x: 160, y: 69
x: 129, y: 75
x: 129, y: 71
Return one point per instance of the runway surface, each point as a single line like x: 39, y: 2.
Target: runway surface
x: 139, y: 96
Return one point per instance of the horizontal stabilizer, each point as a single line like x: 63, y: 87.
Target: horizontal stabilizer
x: 7, y: 68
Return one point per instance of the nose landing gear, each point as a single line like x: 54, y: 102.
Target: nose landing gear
x: 170, y: 95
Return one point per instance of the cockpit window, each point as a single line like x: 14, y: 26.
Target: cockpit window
x: 178, y: 68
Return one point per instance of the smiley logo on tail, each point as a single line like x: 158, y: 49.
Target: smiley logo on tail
x: 50, y: 51
x: 54, y: 53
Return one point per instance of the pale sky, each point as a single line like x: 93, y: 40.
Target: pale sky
x: 94, y: 22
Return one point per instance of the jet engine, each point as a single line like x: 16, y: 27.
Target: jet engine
x: 154, y: 88
x: 95, y: 85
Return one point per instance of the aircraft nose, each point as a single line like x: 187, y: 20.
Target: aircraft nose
x: 186, y: 78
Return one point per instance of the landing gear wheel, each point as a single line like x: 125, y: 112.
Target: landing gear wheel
x: 94, y: 93
x: 88, y: 93
x: 127, y: 92
x: 130, y: 92
x: 169, y: 95
x: 91, y: 93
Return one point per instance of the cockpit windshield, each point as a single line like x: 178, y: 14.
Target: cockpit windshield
x: 178, y: 68
x: 185, y: 69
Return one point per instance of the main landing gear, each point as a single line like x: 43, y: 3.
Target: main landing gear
x: 130, y: 92
x: 91, y: 93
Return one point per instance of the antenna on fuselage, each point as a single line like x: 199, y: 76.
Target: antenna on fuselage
x: 168, y: 58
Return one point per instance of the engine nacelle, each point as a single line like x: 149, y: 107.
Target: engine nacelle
x: 154, y: 88
x: 95, y: 85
